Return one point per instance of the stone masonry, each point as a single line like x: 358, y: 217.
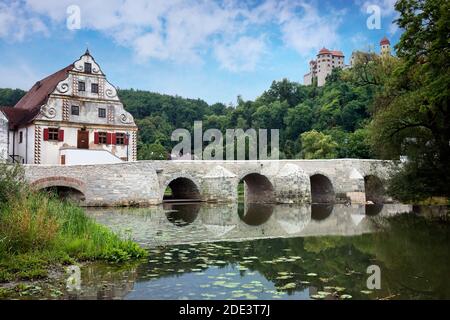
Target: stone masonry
x: 144, y: 182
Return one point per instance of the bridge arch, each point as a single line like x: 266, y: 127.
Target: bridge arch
x: 65, y: 187
x: 182, y: 188
x: 374, y: 189
x: 257, y: 188
x: 322, y: 190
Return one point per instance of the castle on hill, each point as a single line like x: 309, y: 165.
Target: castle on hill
x: 327, y: 60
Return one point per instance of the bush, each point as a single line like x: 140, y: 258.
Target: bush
x: 38, y: 229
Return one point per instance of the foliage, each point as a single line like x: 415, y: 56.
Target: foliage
x: 9, y: 97
x: 154, y: 151
x: 317, y: 145
x: 38, y: 230
x: 411, y: 112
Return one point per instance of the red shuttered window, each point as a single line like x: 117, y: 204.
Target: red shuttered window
x: 95, y: 137
x: 46, y: 134
x: 61, y: 135
x: 109, y: 138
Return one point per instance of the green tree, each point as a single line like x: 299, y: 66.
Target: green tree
x: 411, y: 114
x: 154, y: 151
x: 317, y: 145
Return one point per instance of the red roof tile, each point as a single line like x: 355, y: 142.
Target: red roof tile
x: 38, y: 94
x: 385, y: 41
x: 324, y: 51
x: 29, y: 106
x: 15, y: 116
x: 337, y: 53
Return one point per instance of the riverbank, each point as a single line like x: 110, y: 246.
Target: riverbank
x: 40, y: 233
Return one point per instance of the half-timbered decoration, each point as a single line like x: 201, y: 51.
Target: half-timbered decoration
x: 73, y: 116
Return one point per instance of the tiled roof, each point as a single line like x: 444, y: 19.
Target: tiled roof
x: 29, y: 106
x: 324, y: 51
x: 385, y: 41
x: 337, y: 53
x: 15, y: 116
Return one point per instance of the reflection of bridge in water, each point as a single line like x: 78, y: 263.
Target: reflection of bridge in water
x: 187, y: 223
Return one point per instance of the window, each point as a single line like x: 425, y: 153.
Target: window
x: 87, y: 67
x: 94, y: 87
x: 81, y: 86
x: 101, y: 112
x: 75, y: 110
x: 53, y: 134
x: 20, y: 136
x: 102, y: 138
x: 120, y: 138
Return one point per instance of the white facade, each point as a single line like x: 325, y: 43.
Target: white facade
x: 3, y: 137
x: 82, y: 112
x: 323, y: 66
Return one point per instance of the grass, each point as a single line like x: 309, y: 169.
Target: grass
x: 39, y: 231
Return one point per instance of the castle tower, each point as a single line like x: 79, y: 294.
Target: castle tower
x: 385, y: 45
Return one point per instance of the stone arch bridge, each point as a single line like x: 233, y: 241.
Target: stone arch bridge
x: 267, y: 181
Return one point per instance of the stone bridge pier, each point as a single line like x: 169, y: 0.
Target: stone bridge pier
x: 283, y: 181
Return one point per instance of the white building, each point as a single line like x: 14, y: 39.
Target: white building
x: 320, y: 68
x: 73, y: 116
x: 3, y: 137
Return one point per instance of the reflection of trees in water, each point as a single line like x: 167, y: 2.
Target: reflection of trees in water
x: 320, y: 212
x: 182, y: 214
x: 255, y: 214
x: 373, y: 209
x: 413, y: 256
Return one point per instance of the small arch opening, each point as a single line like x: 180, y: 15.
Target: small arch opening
x: 181, y: 190
x: 322, y: 189
x: 375, y: 192
x: 256, y: 188
x: 66, y: 193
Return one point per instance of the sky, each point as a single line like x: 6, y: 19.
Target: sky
x: 212, y: 50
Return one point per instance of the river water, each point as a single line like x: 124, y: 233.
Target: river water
x: 237, y: 251
x: 200, y: 251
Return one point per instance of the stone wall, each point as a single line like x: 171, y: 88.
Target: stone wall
x: 144, y: 182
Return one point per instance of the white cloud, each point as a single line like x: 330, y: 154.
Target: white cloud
x: 386, y: 6
x: 242, y: 55
x: 184, y: 31
x: 387, y: 10
x: 16, y: 23
x: 310, y: 31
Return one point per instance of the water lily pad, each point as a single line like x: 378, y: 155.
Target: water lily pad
x: 290, y: 285
x: 345, y: 296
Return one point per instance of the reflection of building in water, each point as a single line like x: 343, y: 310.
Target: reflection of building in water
x: 105, y: 283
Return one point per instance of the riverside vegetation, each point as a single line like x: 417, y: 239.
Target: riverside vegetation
x: 39, y: 232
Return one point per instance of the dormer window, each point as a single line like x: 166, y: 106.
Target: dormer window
x: 87, y: 67
x: 94, y: 87
x: 81, y: 86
